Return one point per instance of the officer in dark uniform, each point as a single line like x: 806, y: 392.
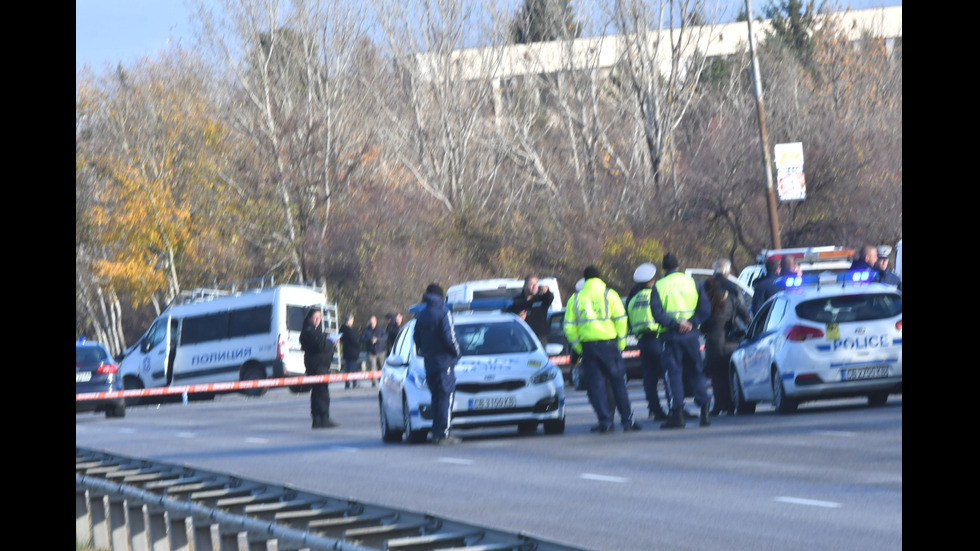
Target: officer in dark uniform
x: 317, y: 357
x: 435, y: 337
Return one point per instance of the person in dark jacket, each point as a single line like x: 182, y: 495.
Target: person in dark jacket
x: 375, y: 339
x: 435, y: 337
x: 394, y: 324
x: 350, y: 348
x: 866, y: 259
x: 726, y: 310
x: 532, y: 305
x: 884, y: 274
x: 764, y: 287
x: 317, y: 357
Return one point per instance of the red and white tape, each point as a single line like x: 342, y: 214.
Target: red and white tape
x: 231, y: 386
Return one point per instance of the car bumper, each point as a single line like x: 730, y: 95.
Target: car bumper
x: 836, y: 378
x: 531, y: 404
x: 97, y: 405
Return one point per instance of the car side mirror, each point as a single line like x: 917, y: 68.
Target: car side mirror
x: 553, y: 349
x: 395, y: 361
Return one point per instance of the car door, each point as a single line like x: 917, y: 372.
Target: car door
x: 394, y: 371
x: 759, y: 349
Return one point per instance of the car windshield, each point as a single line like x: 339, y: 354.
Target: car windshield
x: 493, y: 338
x: 845, y: 308
x: 90, y: 355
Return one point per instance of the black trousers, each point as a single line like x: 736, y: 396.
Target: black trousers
x: 320, y: 396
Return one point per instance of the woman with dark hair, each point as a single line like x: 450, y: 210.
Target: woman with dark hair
x: 717, y: 348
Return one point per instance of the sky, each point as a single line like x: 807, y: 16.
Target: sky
x: 111, y: 31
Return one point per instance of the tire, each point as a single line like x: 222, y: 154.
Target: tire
x: 577, y: 380
x: 413, y: 436
x: 253, y: 372
x: 877, y: 399
x: 782, y: 403
x: 116, y: 411
x: 132, y: 382
x: 742, y: 406
x: 527, y: 427
x: 387, y: 433
x: 556, y: 426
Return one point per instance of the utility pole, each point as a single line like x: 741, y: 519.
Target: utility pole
x: 766, y: 159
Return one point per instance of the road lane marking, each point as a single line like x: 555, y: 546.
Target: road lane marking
x: 253, y: 440
x: 185, y: 435
x: 812, y: 502
x: 835, y: 433
x: 455, y: 461
x: 603, y: 478
x: 347, y: 449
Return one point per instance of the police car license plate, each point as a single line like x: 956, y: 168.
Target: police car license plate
x: 493, y: 403
x: 83, y: 376
x: 876, y: 372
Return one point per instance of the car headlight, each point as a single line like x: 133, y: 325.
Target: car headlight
x: 417, y: 378
x: 547, y: 374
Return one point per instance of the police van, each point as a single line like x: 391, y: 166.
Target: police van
x: 236, y: 332
x: 500, y: 288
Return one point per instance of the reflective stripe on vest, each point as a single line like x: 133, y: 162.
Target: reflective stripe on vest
x: 679, y: 296
x: 641, y: 318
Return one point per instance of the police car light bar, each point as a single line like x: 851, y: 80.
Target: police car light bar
x: 478, y: 304
x: 857, y: 276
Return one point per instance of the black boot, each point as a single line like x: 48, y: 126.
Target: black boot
x: 705, y: 420
x: 657, y: 413
x: 675, y: 419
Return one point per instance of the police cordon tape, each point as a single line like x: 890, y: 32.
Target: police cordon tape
x: 231, y: 385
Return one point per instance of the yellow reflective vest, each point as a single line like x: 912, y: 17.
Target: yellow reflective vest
x: 595, y: 313
x: 641, y: 317
x: 679, y: 296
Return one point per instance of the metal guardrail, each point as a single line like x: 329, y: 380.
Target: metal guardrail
x: 126, y: 503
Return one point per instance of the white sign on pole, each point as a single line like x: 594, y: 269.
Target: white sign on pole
x: 789, y: 171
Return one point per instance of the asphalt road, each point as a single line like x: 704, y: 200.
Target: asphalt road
x: 826, y: 478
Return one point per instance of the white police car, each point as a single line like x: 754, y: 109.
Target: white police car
x: 504, y: 377
x: 821, y: 340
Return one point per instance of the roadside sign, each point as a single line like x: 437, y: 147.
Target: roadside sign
x: 789, y: 171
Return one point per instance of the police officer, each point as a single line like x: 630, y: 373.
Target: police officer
x: 643, y: 325
x: 884, y: 274
x: 680, y: 306
x: 595, y: 324
x: 317, y: 357
x: 435, y: 337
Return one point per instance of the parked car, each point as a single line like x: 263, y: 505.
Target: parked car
x: 504, y: 377
x: 96, y: 371
x: 821, y: 341
x: 570, y: 367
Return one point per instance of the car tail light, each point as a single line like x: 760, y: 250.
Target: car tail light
x: 898, y: 325
x: 807, y: 379
x: 107, y: 369
x: 281, y: 347
x: 801, y: 333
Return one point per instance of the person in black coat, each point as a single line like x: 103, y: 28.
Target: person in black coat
x: 726, y: 310
x: 317, y: 357
x: 350, y: 348
x: 765, y: 287
x: 532, y: 305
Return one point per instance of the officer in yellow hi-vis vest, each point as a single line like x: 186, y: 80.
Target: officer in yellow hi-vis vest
x: 595, y: 324
x: 680, y: 307
x: 645, y: 328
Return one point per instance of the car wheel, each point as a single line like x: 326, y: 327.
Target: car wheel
x: 742, y: 406
x: 414, y: 436
x: 877, y: 399
x: 387, y: 433
x: 577, y: 380
x: 253, y: 372
x: 527, y: 427
x: 556, y: 426
x: 118, y: 410
x: 780, y: 401
x: 132, y: 382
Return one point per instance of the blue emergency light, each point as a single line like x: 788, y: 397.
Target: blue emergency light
x: 857, y: 276
x: 81, y: 340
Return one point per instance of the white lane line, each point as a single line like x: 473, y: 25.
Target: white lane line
x: 603, y: 478
x: 185, y: 435
x: 253, y: 440
x: 835, y: 433
x: 347, y: 449
x: 811, y: 502
x: 127, y: 431
x: 455, y: 461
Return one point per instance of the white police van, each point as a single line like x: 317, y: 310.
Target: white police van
x: 242, y: 331
x: 500, y: 288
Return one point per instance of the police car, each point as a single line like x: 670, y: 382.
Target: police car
x: 504, y: 377
x: 818, y: 340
